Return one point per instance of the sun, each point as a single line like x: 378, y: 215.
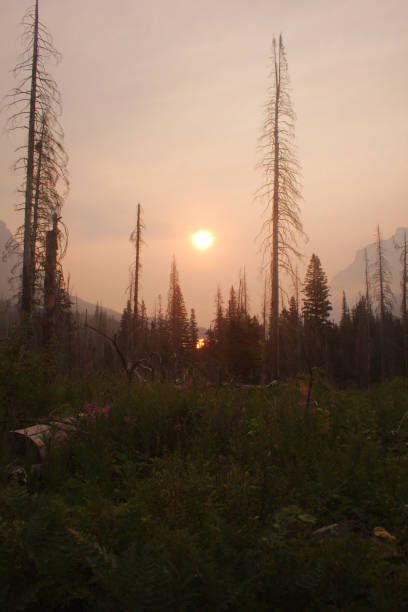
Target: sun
x: 202, y: 239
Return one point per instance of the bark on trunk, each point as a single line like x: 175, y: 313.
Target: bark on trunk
x: 27, y: 281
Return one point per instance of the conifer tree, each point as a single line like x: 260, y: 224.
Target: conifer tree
x: 219, y: 321
x: 363, y: 324
x: 176, y: 312
x: 193, y: 329
x: 126, y: 328
x: 345, y: 319
x: 290, y: 326
x: 232, y: 309
x: 345, y: 339
x: 316, y: 310
x: 316, y: 303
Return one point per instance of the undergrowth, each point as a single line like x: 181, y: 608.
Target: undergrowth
x: 192, y: 498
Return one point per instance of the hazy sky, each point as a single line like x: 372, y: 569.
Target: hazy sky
x: 163, y: 105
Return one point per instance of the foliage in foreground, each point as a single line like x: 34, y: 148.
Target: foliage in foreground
x: 187, y: 498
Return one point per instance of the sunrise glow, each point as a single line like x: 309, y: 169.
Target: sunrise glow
x: 202, y: 240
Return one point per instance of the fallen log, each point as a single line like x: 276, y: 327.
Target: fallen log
x: 33, y: 439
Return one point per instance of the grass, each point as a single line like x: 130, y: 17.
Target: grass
x: 189, y: 498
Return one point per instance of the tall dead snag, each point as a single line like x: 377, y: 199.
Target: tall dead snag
x: 34, y: 106
x: 136, y: 237
x: 403, y: 247
x: 280, y: 189
x: 381, y: 279
x: 368, y: 312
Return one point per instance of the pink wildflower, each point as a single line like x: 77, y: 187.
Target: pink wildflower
x: 177, y: 426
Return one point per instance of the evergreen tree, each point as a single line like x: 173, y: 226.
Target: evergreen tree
x: 125, y: 329
x: 316, y: 310
x: 345, y: 340
x: 219, y: 321
x: 289, y: 338
x: 193, y: 330
x: 364, y: 326
x: 316, y: 304
x: 177, y: 323
x: 232, y: 309
x: 345, y: 319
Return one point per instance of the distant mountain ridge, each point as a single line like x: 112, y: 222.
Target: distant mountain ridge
x: 352, y: 279
x: 6, y: 291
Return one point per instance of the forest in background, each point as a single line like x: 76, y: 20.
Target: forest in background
x: 293, y: 335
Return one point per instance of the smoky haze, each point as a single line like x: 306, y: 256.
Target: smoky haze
x: 163, y: 105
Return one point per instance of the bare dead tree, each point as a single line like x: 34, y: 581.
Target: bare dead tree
x: 50, y: 280
x: 136, y: 238
x: 403, y: 247
x: 368, y: 312
x: 129, y: 367
x: 33, y: 106
x: 281, y: 189
x: 381, y: 279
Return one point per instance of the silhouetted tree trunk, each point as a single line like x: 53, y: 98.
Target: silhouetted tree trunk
x: 27, y: 280
x: 136, y: 237
x: 50, y: 281
x: 384, y: 298
x: 33, y: 106
x: 281, y: 188
x: 404, y: 317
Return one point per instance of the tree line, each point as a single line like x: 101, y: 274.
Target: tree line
x: 368, y: 344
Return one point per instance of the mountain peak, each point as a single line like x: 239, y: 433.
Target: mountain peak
x: 351, y: 280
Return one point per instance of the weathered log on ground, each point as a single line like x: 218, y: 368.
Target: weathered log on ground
x: 33, y: 439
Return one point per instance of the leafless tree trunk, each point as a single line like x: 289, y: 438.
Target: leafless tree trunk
x: 281, y: 187
x: 136, y: 237
x: 27, y: 284
x: 384, y: 296
x: 404, y: 281
x: 33, y: 106
x: 50, y: 281
x: 368, y: 314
